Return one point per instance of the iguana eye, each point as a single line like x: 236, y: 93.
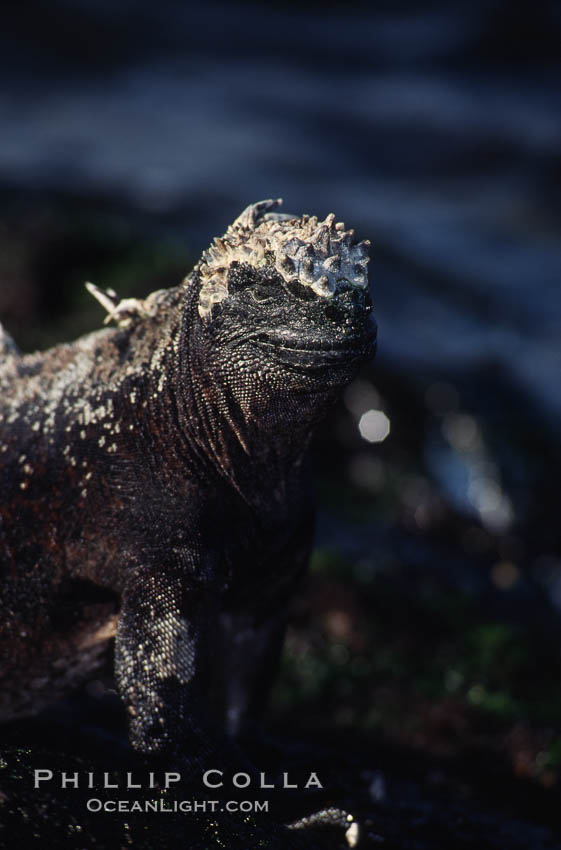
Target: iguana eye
x: 262, y: 293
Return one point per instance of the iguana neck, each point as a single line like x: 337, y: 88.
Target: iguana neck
x: 258, y: 446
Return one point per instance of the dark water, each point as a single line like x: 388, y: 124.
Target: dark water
x: 434, y: 129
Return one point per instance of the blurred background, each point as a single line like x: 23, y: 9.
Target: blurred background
x: 132, y: 133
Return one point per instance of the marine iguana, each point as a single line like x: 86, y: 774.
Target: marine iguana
x: 155, y: 483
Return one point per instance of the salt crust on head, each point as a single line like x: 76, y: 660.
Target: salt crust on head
x: 318, y: 254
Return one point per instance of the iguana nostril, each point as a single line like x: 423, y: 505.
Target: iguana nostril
x: 343, y: 305
x: 332, y: 313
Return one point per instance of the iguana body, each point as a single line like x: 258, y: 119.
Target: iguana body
x: 154, y: 481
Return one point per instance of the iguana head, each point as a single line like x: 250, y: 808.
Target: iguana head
x: 285, y: 298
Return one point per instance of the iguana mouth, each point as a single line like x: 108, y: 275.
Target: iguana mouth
x: 352, y: 344
x: 316, y: 354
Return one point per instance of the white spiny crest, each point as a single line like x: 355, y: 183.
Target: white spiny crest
x: 125, y: 311
x: 317, y: 254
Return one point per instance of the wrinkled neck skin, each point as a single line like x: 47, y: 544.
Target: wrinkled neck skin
x: 258, y: 444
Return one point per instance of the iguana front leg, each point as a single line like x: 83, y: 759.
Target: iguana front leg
x: 162, y: 665
x: 249, y: 648
x: 251, y: 639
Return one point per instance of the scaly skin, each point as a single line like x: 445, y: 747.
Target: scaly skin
x: 155, y: 485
